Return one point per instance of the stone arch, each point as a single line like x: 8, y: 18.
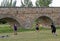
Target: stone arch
x: 44, y: 21
x: 10, y: 19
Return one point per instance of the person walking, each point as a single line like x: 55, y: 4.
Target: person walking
x: 53, y: 29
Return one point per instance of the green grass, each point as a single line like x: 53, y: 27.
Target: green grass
x: 8, y: 29
x: 42, y: 35
x: 5, y: 28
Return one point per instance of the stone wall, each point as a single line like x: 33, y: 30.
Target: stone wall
x: 27, y: 16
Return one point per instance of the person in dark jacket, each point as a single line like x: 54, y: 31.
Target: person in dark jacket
x: 37, y: 27
x: 53, y: 29
x: 15, y: 29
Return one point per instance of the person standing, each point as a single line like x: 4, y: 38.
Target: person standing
x: 53, y: 29
x: 37, y: 27
x: 15, y: 29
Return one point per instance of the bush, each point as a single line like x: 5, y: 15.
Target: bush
x: 5, y: 29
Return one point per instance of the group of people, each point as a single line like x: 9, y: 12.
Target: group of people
x: 53, y: 28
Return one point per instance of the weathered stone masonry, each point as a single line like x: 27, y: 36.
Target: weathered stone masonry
x: 26, y: 16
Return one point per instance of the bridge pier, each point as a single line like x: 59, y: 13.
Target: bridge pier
x: 27, y: 24
x: 26, y: 16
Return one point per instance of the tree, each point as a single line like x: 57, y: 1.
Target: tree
x: 4, y: 2
x: 8, y: 3
x: 26, y: 3
x: 14, y: 4
x: 43, y: 3
x: 22, y: 4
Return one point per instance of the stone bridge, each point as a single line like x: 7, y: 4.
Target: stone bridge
x: 26, y: 17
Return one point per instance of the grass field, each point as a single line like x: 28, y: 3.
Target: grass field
x: 27, y: 35
x: 43, y: 35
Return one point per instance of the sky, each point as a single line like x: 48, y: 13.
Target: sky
x: 55, y: 3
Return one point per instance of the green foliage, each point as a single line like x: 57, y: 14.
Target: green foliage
x: 2, y: 21
x: 37, y: 3
x: 5, y: 28
x: 43, y: 3
x: 22, y: 4
x: 26, y: 3
x: 14, y: 4
x: 8, y: 3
